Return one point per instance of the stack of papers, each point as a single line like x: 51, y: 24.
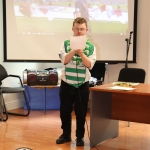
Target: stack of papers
x: 121, y: 88
x: 129, y: 83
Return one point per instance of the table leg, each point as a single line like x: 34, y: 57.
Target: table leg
x: 102, y: 127
x: 1, y: 106
x: 45, y: 100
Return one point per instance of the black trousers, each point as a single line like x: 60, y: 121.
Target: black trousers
x: 77, y: 99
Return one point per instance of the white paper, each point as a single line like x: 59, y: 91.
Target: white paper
x: 120, y: 88
x: 78, y: 42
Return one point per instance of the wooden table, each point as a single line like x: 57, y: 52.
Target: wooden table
x: 109, y: 106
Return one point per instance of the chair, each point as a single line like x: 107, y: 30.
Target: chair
x: 11, y: 89
x: 136, y: 75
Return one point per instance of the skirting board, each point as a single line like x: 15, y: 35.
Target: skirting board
x: 18, y: 104
x: 14, y: 104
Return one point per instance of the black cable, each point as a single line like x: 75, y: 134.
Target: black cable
x: 82, y: 108
x: 86, y: 122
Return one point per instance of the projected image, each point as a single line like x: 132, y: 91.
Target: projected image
x: 35, y: 29
x: 56, y: 16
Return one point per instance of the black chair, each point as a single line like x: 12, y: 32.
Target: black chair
x: 11, y: 89
x: 135, y: 75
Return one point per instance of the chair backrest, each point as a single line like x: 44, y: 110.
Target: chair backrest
x: 98, y: 71
x: 3, y: 73
x: 132, y: 75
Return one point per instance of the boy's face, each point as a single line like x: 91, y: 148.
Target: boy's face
x: 79, y: 29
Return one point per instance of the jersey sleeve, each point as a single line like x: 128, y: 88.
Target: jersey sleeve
x: 93, y: 58
x: 62, y: 53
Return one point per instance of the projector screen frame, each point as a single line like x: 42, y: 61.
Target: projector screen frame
x: 5, y: 54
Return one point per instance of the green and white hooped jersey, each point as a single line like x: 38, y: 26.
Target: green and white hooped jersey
x: 75, y: 73
x: 75, y: 76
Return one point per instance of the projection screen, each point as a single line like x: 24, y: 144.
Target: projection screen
x: 35, y: 29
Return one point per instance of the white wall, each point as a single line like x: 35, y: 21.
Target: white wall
x: 143, y: 54
x: 13, y: 100
x: 143, y: 47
